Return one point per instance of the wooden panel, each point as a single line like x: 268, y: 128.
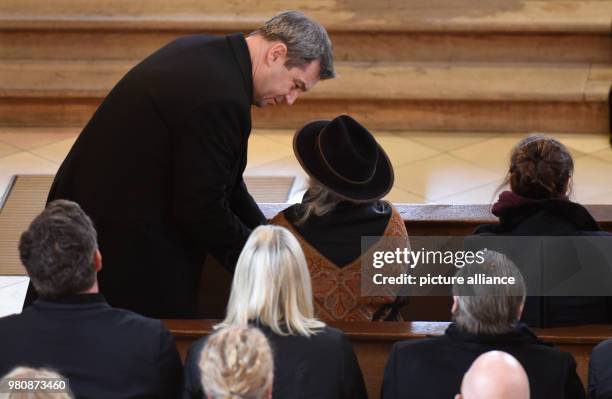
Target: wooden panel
x: 348, y: 46
x: 397, y: 15
x: 456, y: 116
x: 356, y: 81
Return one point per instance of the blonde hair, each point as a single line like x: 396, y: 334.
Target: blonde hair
x: 318, y: 201
x: 272, y: 285
x: 236, y: 363
x: 31, y: 373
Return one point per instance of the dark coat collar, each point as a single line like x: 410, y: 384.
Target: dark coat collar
x: 521, y: 334
x: 513, y: 210
x: 243, y: 57
x: 76, y: 299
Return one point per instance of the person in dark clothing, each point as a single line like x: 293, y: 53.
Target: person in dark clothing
x: 537, y: 204
x: 159, y: 166
x: 484, y: 320
x: 349, y: 174
x: 272, y: 291
x: 104, y: 352
x: 600, y: 371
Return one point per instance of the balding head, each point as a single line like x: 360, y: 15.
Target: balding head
x: 495, y: 375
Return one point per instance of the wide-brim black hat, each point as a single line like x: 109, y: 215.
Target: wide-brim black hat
x: 344, y: 157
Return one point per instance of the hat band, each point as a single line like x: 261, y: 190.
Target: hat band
x: 338, y: 175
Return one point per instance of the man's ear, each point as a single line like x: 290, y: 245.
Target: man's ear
x: 277, y: 52
x: 455, y: 305
x: 458, y: 396
x: 97, y: 261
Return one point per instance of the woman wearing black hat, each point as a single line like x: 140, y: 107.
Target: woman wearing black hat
x: 349, y: 174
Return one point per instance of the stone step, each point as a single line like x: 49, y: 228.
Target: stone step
x: 415, y: 30
x: 424, y: 96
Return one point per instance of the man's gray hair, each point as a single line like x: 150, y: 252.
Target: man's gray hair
x: 489, y: 308
x: 58, y: 249
x: 306, y: 41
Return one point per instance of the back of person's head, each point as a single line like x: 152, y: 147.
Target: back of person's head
x: 306, y: 41
x: 236, y: 363
x: 272, y: 284
x: 58, y: 386
x: 540, y: 168
x: 58, y: 250
x: 489, y: 308
x: 495, y: 375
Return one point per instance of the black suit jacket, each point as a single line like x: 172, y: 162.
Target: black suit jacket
x: 159, y: 170
x: 434, y: 367
x: 104, y: 352
x: 322, y: 366
x: 600, y: 371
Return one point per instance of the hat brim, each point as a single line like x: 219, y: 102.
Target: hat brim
x: 306, y: 152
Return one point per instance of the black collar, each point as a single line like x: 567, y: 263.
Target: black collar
x: 75, y: 299
x: 520, y: 334
x: 243, y: 57
x: 570, y: 212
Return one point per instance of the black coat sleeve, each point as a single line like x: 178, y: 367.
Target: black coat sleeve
x: 207, y: 150
x: 353, y: 385
x: 245, y: 207
x: 170, y: 366
x: 573, y: 385
x: 389, y: 387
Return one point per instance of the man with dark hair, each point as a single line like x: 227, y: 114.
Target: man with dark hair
x: 159, y: 166
x: 104, y: 352
x: 485, y: 318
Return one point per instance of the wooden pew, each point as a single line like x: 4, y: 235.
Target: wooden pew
x: 452, y: 220
x: 373, y: 341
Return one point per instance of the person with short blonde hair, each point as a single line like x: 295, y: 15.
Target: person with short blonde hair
x: 236, y: 363
x: 27, y: 373
x: 271, y: 290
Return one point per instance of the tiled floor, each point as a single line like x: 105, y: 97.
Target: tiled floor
x: 430, y: 167
x: 445, y: 168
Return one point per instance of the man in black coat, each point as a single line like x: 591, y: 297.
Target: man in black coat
x: 485, y: 320
x: 159, y: 166
x: 104, y: 352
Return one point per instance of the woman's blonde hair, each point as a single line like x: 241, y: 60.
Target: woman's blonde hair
x: 236, y: 363
x: 318, y: 201
x: 27, y: 373
x: 272, y: 285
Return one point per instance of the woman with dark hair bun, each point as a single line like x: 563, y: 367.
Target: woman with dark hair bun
x: 537, y: 204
